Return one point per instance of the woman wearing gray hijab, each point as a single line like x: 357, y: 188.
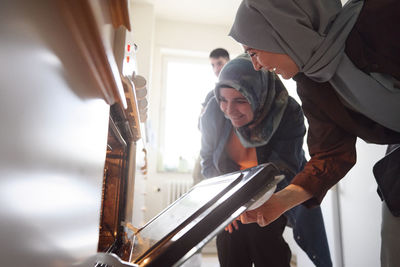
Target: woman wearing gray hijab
x: 250, y: 121
x: 346, y: 62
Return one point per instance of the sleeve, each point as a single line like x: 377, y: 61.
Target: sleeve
x: 210, y: 123
x: 332, y: 148
x: 208, y: 97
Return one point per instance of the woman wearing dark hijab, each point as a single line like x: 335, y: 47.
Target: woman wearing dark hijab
x: 252, y: 120
x: 346, y: 62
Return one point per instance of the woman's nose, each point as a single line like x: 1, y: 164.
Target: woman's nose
x: 256, y: 65
x: 230, y: 108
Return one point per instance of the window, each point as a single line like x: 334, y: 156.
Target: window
x: 187, y: 81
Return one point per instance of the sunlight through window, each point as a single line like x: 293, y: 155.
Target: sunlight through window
x: 187, y: 84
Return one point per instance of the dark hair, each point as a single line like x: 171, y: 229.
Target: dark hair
x: 219, y: 52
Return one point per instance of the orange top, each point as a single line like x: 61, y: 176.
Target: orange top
x: 244, y: 157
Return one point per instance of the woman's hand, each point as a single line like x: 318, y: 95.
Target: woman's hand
x: 279, y: 203
x: 232, y: 225
x: 268, y: 212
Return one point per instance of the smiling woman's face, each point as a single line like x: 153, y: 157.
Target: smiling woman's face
x: 279, y: 63
x: 235, y: 106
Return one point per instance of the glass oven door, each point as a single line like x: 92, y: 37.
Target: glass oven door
x: 195, y: 218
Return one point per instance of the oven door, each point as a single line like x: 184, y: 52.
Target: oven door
x: 190, y: 222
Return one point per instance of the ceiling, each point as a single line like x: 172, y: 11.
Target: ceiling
x: 217, y: 12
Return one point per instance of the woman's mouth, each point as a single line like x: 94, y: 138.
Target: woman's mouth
x: 235, y: 118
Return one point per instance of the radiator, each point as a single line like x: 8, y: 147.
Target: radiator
x: 176, y: 188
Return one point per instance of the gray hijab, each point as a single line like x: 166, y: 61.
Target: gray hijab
x: 313, y: 33
x: 265, y: 93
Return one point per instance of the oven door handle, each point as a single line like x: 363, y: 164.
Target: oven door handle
x: 106, y: 260
x: 111, y: 259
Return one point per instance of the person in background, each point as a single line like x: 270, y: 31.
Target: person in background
x: 250, y: 121
x: 218, y: 58
x: 346, y: 63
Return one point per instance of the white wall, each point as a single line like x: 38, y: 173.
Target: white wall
x: 360, y: 208
x: 143, y: 23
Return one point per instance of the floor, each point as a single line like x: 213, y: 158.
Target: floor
x: 209, y: 260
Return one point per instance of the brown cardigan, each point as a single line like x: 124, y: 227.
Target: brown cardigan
x: 334, y: 128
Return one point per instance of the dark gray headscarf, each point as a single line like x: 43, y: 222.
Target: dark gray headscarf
x: 313, y: 33
x: 264, y: 91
